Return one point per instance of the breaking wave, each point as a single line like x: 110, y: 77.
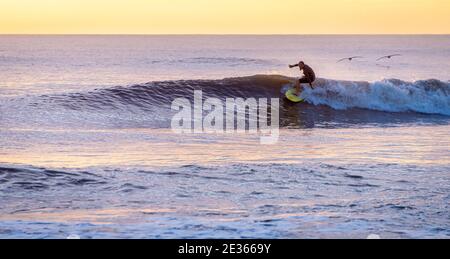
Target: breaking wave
x: 390, y: 95
x: 332, y: 103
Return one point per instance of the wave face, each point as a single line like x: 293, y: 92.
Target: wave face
x: 162, y: 93
x: 392, y: 95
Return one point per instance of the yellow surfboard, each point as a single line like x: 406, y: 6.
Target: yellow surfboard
x: 291, y: 96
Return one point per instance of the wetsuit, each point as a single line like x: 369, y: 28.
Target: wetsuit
x: 309, y: 76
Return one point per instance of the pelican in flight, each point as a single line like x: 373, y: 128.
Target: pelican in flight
x: 349, y: 58
x: 389, y: 56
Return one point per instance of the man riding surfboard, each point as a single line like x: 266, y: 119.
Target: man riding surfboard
x: 308, y: 76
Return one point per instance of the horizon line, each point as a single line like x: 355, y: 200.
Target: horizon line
x: 224, y: 34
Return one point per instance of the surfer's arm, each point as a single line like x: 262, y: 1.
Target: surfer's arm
x: 291, y: 66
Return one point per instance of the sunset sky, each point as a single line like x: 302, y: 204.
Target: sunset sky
x: 225, y: 16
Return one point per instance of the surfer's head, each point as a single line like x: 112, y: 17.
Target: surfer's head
x: 301, y: 64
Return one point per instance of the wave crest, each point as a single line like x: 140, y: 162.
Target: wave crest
x: 390, y: 95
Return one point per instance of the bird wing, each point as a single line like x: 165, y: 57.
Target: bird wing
x: 349, y: 58
x: 389, y: 56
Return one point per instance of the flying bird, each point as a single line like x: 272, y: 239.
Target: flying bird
x: 389, y: 56
x: 349, y: 58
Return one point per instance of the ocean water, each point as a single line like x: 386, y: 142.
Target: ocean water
x: 86, y: 147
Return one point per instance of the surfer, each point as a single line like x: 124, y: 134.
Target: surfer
x: 308, y: 76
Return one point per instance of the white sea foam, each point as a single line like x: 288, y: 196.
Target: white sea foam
x: 429, y: 96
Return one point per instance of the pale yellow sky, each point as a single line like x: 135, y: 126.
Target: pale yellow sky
x: 225, y: 16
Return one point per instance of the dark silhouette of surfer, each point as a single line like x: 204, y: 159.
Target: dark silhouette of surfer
x: 308, y: 76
